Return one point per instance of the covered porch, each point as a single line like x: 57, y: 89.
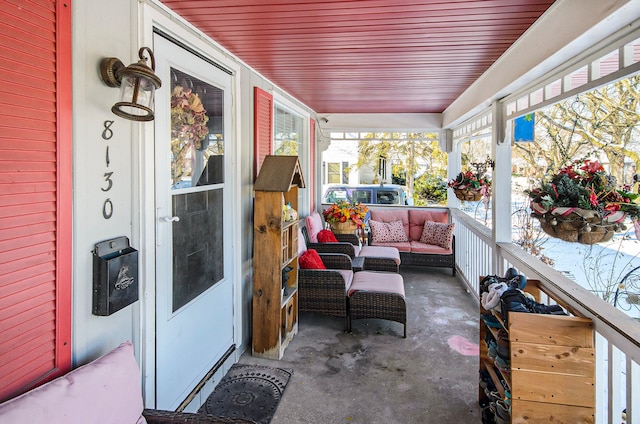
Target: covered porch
x: 454, y: 68
x: 530, y: 75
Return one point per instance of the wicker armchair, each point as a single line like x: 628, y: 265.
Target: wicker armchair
x: 324, y: 291
x: 155, y: 416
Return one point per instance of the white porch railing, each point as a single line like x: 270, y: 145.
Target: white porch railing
x: 474, y: 250
x: 617, y: 335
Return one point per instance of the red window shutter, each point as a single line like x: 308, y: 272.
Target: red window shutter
x: 35, y: 193
x: 312, y: 168
x: 262, y: 127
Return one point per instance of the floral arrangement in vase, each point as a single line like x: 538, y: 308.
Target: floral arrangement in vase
x: 471, y: 185
x: 188, y: 129
x: 346, y: 212
x: 582, y: 203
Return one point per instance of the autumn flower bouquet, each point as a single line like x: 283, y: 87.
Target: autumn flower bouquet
x: 471, y: 185
x: 581, y: 202
x: 188, y: 116
x: 344, y: 211
x: 188, y: 129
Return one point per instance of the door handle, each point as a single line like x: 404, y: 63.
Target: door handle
x: 169, y: 218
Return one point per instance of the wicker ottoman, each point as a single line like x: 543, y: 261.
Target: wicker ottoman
x: 380, y: 258
x: 378, y: 295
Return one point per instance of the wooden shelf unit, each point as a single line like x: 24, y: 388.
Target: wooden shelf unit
x: 275, y: 253
x: 552, y: 375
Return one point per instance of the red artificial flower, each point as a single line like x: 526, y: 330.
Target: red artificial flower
x: 592, y: 166
x: 593, y: 197
x: 568, y: 171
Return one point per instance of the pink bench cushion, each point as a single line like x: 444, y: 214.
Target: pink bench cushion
x: 314, y: 225
x: 400, y: 246
x: 417, y: 247
x: 417, y: 217
x: 106, y: 390
x: 380, y: 252
x: 379, y: 282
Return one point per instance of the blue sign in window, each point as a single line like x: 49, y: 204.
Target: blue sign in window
x: 523, y: 128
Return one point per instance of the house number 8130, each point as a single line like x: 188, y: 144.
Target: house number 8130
x: 107, y: 206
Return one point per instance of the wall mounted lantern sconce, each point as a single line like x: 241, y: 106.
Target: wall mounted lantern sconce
x: 137, y: 83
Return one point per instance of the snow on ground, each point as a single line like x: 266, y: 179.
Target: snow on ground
x: 596, y: 267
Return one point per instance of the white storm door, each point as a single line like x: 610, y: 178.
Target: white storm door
x: 194, y: 290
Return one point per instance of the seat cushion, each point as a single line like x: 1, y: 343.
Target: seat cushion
x: 314, y: 225
x: 401, y: 246
x: 379, y: 282
x: 106, y: 390
x: 380, y: 252
x: 417, y: 247
x: 348, y: 278
x: 302, y: 246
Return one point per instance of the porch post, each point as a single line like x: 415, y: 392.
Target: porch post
x: 454, y: 162
x: 501, y: 187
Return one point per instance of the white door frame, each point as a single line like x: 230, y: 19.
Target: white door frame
x: 152, y: 16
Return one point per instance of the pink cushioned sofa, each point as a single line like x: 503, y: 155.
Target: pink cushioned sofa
x: 413, y: 251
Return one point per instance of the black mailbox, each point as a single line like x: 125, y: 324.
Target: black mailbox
x: 115, y: 276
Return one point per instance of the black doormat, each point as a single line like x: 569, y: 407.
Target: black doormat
x: 249, y: 392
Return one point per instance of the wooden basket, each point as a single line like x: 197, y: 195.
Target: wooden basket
x: 468, y: 194
x: 572, y: 228
x: 347, y: 227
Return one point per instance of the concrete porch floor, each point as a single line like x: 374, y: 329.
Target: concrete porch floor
x: 373, y: 375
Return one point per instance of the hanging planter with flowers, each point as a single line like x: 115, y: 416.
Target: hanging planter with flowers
x: 471, y: 186
x: 582, y: 204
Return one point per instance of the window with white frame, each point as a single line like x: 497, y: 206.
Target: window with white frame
x: 288, y: 132
x: 291, y: 138
x: 334, y: 173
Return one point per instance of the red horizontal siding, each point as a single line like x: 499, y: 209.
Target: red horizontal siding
x: 30, y: 251
x: 21, y: 232
x: 35, y: 328
x: 21, y: 242
x: 12, y: 287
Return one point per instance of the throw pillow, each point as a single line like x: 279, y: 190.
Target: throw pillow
x: 388, y: 232
x: 326, y: 236
x: 437, y: 234
x: 311, y: 260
